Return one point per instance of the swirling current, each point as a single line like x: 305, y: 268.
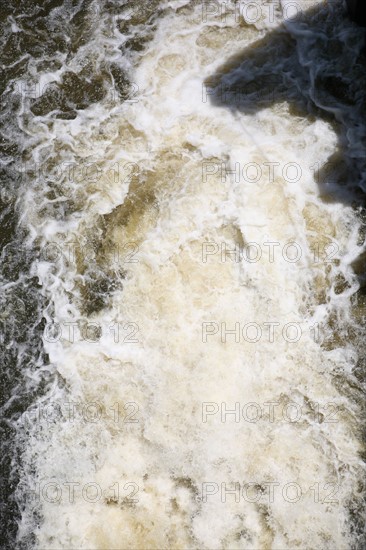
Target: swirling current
x: 183, y: 275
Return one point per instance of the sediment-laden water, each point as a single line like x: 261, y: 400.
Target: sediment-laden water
x: 183, y: 270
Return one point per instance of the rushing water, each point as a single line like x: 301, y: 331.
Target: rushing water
x: 182, y: 270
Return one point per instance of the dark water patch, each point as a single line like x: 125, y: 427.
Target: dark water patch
x: 22, y: 381
x: 74, y: 93
x: 96, y: 291
x: 121, y: 81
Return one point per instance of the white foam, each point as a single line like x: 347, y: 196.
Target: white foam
x: 169, y: 293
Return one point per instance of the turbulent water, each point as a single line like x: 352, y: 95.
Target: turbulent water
x: 182, y: 271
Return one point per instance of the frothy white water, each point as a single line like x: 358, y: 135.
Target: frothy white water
x: 171, y: 367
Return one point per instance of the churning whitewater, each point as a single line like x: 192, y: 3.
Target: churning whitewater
x: 197, y: 274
